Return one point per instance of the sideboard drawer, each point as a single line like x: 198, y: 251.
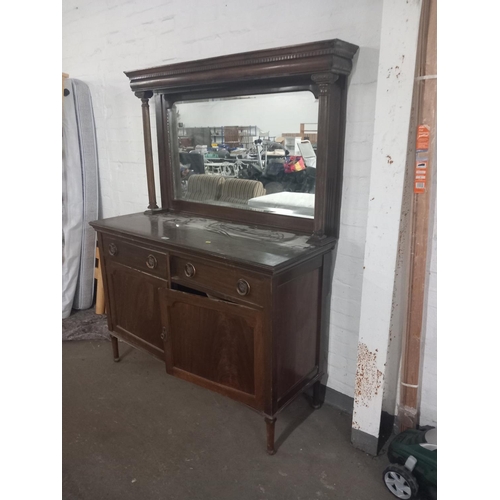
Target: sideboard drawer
x: 228, y: 281
x: 135, y: 256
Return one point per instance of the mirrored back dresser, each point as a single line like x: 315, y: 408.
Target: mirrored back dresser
x: 227, y: 279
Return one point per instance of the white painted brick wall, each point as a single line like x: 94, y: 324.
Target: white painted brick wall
x: 103, y: 38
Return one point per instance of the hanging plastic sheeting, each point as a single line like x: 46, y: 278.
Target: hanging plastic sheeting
x: 79, y: 197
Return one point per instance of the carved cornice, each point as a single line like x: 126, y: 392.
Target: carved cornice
x: 209, y: 66
x: 326, y: 56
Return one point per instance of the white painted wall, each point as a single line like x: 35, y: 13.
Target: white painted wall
x: 101, y: 39
x: 273, y: 113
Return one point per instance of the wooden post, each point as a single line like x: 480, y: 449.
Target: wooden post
x: 325, y: 155
x: 148, y: 148
x: 425, y: 98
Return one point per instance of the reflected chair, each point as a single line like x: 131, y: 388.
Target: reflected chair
x: 202, y: 187
x: 239, y: 191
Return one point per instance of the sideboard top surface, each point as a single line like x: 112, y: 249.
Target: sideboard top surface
x: 257, y: 246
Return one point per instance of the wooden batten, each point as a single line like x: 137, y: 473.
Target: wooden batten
x: 425, y: 98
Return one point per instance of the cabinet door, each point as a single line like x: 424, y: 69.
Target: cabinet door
x: 135, y: 307
x: 215, y: 344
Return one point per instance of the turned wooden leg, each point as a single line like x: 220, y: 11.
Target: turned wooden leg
x: 270, y: 435
x: 116, y: 354
x: 317, y: 400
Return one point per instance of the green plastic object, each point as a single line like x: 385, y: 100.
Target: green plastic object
x: 413, y: 457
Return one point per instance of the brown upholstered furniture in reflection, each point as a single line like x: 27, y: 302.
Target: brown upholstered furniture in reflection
x: 239, y: 191
x: 203, y: 187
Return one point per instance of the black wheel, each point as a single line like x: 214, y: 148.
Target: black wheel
x: 400, y: 482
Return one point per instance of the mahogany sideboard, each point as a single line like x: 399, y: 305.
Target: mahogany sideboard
x: 232, y: 299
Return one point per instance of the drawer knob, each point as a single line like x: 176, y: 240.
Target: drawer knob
x: 151, y: 262
x: 189, y: 270
x: 242, y: 287
x: 113, y: 249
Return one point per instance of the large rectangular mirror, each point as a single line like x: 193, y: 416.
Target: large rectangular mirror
x: 253, y: 152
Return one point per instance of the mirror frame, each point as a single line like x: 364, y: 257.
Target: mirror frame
x: 319, y: 67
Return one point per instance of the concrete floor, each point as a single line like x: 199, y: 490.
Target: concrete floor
x: 130, y: 431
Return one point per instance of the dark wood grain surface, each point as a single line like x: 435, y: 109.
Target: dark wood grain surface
x: 134, y: 307
x: 135, y: 256
x: 296, y: 331
x: 212, y: 339
x: 262, y: 247
x: 219, y: 281
x: 213, y: 343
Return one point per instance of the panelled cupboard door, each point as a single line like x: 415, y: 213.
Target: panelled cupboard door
x: 135, y: 312
x: 215, y: 344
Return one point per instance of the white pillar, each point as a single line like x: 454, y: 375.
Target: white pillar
x: 396, y: 72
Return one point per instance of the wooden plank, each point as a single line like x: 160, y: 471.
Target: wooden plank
x: 425, y: 87
x: 100, y: 303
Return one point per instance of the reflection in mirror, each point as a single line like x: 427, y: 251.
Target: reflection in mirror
x: 253, y: 152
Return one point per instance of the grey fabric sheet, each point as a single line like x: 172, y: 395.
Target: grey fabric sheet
x: 80, y: 197
x: 72, y: 203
